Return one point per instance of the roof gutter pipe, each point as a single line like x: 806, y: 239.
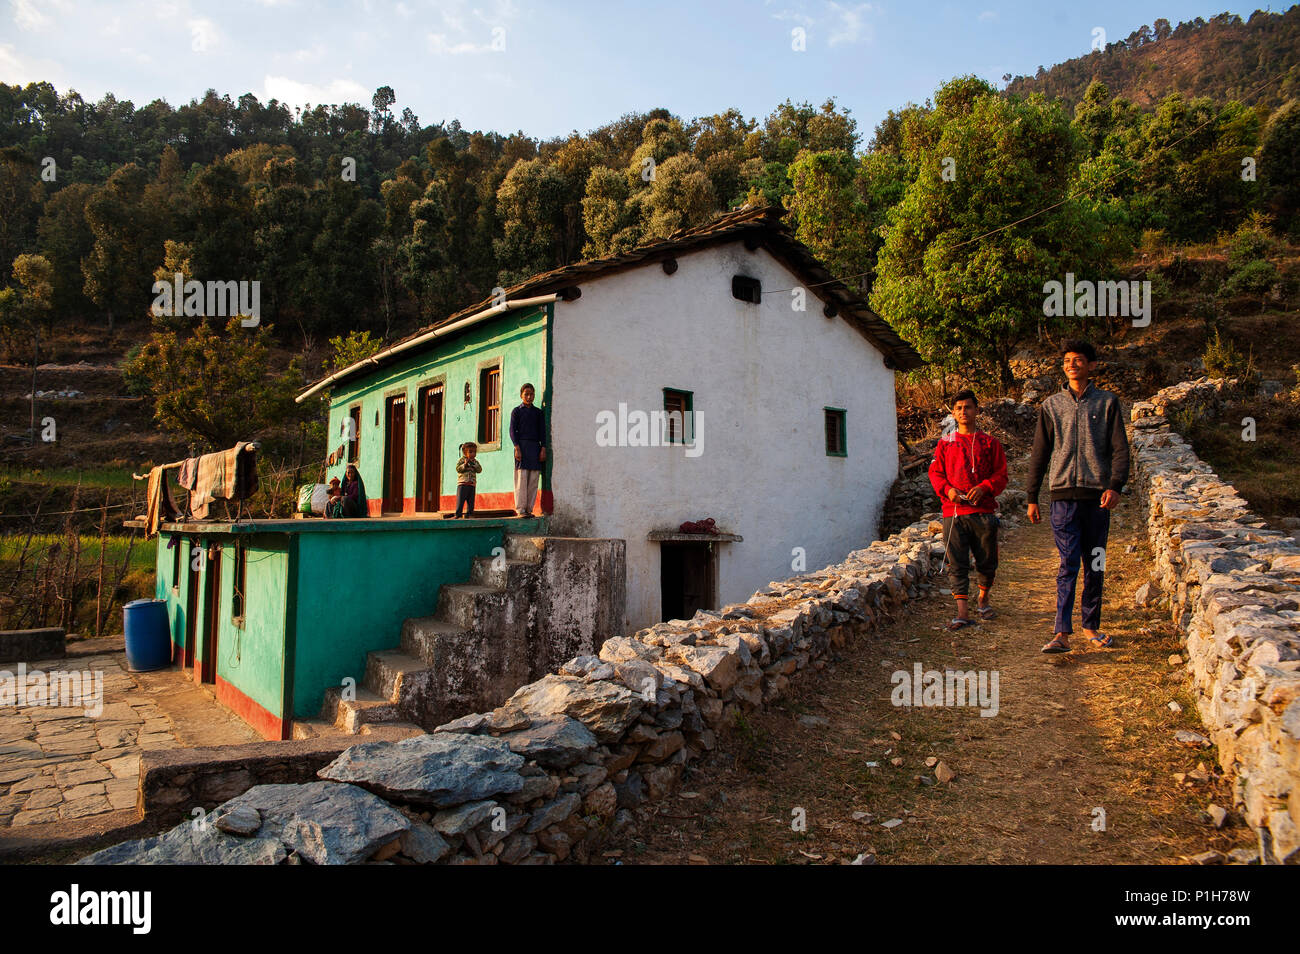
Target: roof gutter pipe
x: 473, y: 319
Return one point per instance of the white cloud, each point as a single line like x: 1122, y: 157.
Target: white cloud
x: 28, y: 15
x: 203, y: 34
x: 294, y: 93
x: 311, y: 54
x: 850, y: 23
x: 794, y: 16
x: 17, y: 70
x: 988, y: 15
x: 439, y: 43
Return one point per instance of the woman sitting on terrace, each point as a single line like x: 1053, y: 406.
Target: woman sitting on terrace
x: 354, y: 493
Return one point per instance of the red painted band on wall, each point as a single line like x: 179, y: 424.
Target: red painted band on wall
x: 545, y: 503
x: 267, y: 724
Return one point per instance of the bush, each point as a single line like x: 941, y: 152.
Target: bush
x: 1253, y: 278
x: 1223, y: 360
x: 1250, y: 243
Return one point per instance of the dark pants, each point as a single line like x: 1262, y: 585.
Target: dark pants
x: 1080, y: 528
x: 975, y: 533
x: 465, y: 498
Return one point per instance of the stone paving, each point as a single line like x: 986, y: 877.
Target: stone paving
x: 58, y: 763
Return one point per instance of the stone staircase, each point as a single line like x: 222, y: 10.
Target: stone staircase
x: 471, y: 654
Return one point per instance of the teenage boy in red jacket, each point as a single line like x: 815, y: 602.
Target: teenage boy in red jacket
x: 968, y: 472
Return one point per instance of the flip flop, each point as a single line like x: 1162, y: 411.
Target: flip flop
x: 988, y: 612
x: 1101, y: 640
x: 959, y: 623
x: 1055, y: 646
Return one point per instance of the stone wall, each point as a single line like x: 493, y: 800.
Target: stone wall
x: 30, y: 645
x: 550, y: 774
x: 1232, y: 586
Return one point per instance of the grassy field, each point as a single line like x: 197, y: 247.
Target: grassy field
x: 1265, y: 471
x: 142, y: 556
x: 91, y: 477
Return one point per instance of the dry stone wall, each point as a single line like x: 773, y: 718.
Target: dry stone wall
x: 1232, y: 586
x: 550, y: 774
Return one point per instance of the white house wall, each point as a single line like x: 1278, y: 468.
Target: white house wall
x: 761, y: 377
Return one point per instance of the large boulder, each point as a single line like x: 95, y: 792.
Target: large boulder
x: 441, y: 770
x: 604, y: 708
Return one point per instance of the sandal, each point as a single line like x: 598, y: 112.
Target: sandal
x: 1101, y: 640
x: 988, y: 612
x: 1056, y: 646
x: 959, y: 623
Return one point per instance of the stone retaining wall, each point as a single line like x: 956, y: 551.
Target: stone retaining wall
x: 550, y: 774
x: 1233, y: 589
x: 30, y: 645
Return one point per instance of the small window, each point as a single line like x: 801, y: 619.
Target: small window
x: 835, y: 443
x: 175, y: 544
x: 489, y: 411
x: 679, y: 425
x: 239, y: 584
x: 354, y: 439
x: 747, y: 289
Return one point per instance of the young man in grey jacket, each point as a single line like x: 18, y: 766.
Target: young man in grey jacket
x: 1081, y: 446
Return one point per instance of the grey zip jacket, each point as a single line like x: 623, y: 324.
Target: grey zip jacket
x: 1080, y: 445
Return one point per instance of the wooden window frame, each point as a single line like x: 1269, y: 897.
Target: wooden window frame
x: 687, y: 437
x: 354, y: 445
x: 486, y: 445
x: 840, y: 415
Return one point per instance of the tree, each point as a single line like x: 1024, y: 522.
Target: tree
x: 1279, y: 167
x: 128, y: 245
x: 961, y: 295
x: 212, y: 388
x: 65, y: 238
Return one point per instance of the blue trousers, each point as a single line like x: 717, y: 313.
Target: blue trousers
x: 1080, y: 528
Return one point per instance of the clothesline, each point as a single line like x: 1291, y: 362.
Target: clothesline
x: 250, y: 445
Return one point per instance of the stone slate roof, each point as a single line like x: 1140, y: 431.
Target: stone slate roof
x: 759, y: 227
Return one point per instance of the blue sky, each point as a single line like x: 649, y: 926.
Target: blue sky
x: 551, y: 67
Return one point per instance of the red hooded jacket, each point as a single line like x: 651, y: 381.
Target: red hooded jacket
x: 964, y: 462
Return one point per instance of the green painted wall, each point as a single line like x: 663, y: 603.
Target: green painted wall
x: 518, y: 339
x: 171, y: 586
x: 251, y: 657
x: 356, y: 589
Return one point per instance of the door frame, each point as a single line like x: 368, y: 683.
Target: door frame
x: 386, y: 500
x: 191, y: 600
x: 206, y: 670
x: 424, y: 391
x: 710, y: 551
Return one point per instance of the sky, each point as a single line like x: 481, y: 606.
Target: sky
x: 548, y: 68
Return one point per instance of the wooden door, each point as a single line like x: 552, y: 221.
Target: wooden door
x: 395, y: 455
x: 687, y: 579
x: 191, y: 601
x: 211, y: 615
x: 429, y: 475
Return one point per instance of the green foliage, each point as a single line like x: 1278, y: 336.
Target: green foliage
x: 357, y: 346
x: 213, y: 388
x: 1223, y: 360
x: 1279, y: 166
x: 960, y: 294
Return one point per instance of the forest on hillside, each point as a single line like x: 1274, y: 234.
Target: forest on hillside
x: 1222, y: 57
x: 361, y: 224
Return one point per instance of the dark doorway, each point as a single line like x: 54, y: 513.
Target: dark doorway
x: 395, y: 455
x: 428, y: 489
x: 211, y: 615
x: 688, y: 578
x: 191, y: 601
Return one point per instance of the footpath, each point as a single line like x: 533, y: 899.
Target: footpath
x: 1079, y: 765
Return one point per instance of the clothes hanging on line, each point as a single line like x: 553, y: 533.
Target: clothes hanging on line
x: 188, y: 475
x: 224, y: 475
x: 159, y: 506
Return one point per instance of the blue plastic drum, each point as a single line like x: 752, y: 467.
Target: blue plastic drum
x: 148, y: 637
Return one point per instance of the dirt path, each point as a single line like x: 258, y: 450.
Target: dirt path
x: 1073, y: 734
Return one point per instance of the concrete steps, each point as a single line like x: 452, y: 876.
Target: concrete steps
x: 427, y: 673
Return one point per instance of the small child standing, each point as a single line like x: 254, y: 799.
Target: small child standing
x: 467, y: 471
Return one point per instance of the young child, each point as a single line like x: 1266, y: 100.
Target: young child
x: 467, y: 471
x: 334, y: 502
